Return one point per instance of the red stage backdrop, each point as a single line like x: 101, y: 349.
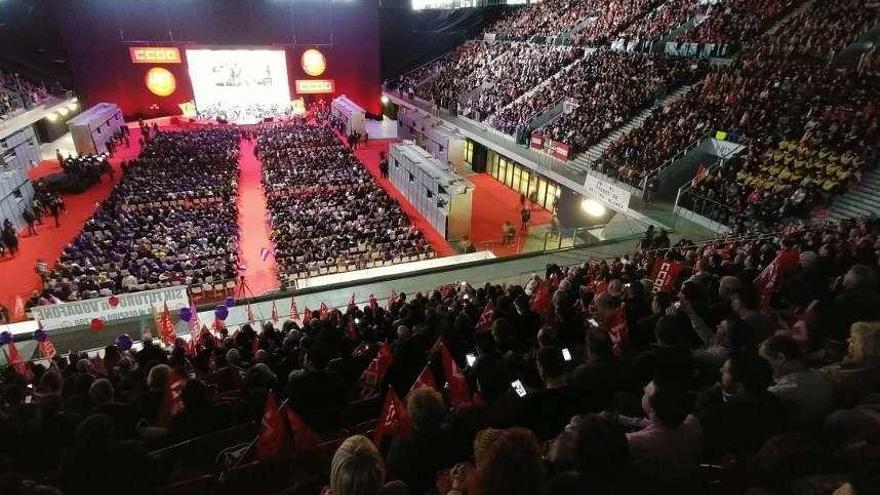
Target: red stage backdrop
x: 113, y: 44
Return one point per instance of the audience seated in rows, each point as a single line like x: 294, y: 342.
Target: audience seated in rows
x: 778, y: 379
x: 327, y: 211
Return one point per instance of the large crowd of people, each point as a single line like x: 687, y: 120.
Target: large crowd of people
x: 737, y: 21
x: 759, y: 355
x: 480, y: 78
x: 608, y: 88
x: 17, y: 92
x: 328, y: 214
x: 171, y: 220
x: 548, y: 18
x: 660, y: 21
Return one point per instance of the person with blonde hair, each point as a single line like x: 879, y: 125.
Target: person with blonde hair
x: 357, y: 468
x: 858, y: 373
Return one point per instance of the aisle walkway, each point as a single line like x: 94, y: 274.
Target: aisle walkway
x: 493, y: 204
x: 20, y: 278
x: 253, y: 226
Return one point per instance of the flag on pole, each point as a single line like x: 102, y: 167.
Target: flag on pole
x: 305, y: 441
x: 324, y: 312
x: 250, y: 313
x: 392, y: 300
x: 166, y: 328
x: 172, y: 402
x: 459, y: 390
x: 14, y: 359
x: 307, y: 316
x: 294, y: 311
x: 273, y: 441
x: 487, y: 317
x: 374, y: 374
x: 351, y: 304
x: 542, y: 303
x: 195, y: 329
x: 424, y: 380
x: 393, y: 420
x: 374, y: 304
x: 767, y: 280
x: 275, y: 317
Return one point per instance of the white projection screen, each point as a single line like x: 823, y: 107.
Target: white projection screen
x: 238, y: 84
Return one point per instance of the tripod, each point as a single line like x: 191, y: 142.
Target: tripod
x: 244, y: 292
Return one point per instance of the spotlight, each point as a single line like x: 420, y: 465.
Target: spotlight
x: 384, y: 100
x: 72, y: 107
x: 52, y: 117
x: 592, y: 208
x: 62, y: 111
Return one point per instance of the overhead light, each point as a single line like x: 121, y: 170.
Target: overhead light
x: 593, y: 208
x: 384, y: 100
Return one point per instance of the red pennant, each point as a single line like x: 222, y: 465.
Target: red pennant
x: 665, y: 274
x: 307, y: 316
x: 487, y: 317
x: 394, y: 419
x: 392, y: 300
x: 171, y: 402
x: 275, y: 317
x: 273, y: 441
x: 459, y: 390
x: 424, y: 380
x: 166, y: 327
x: 250, y: 314
x: 294, y: 311
x: 47, y: 349
x: 375, y: 372
x: 305, y: 441
x: 351, y: 304
x: 195, y: 330
x: 766, y: 281
x: 374, y: 304
x: 18, y: 363
x: 323, y: 312
x: 542, y: 303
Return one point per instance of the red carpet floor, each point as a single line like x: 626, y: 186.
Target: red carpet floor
x: 253, y: 226
x: 369, y: 156
x: 19, y: 276
x: 493, y: 204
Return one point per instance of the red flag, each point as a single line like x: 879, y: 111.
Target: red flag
x: 14, y: 359
x: 665, y: 274
x: 424, y: 380
x: 171, y: 402
x: 618, y: 331
x: 307, y: 316
x: 166, y: 328
x: 487, y: 317
x: 392, y: 300
x: 294, y: 311
x: 305, y: 441
x: 250, y: 314
x: 767, y: 280
x: 459, y: 390
x: 323, y: 312
x: 195, y: 329
x: 393, y: 420
x: 47, y: 349
x: 542, y: 303
x: 351, y: 305
x: 275, y: 317
x: 375, y: 372
x: 374, y: 304
x: 273, y: 441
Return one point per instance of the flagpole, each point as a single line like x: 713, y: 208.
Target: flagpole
x: 253, y: 443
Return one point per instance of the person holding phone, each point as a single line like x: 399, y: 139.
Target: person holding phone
x: 547, y: 410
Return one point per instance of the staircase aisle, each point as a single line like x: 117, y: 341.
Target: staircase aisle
x: 861, y: 200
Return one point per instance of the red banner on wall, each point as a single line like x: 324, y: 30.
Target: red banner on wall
x: 560, y: 150
x: 537, y: 141
x: 665, y: 274
x: 315, y: 86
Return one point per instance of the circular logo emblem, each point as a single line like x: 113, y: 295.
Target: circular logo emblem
x: 160, y: 81
x: 313, y: 62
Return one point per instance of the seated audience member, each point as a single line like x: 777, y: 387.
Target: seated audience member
x: 806, y: 394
